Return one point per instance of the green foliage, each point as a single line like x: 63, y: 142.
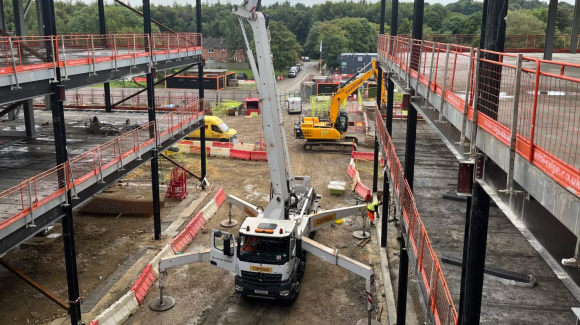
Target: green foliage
x: 334, y: 42
x: 523, y: 22
x: 455, y: 23
x: 285, y: 49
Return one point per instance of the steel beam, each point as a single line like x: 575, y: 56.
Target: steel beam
x: 27, y: 7
x: 403, y: 281
x: 34, y: 284
x: 575, y: 22
x: 390, y: 84
x: 465, y: 240
x: 550, y: 29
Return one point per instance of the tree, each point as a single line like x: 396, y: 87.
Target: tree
x: 523, y: 22
x: 285, y: 49
x: 361, y: 35
x: 334, y: 42
x: 432, y: 20
x: 405, y: 26
x: 455, y: 23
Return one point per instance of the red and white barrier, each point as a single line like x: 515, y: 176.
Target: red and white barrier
x: 363, y: 191
x: 365, y: 156
x: 258, y: 156
x: 220, y: 197
x: 119, y: 311
x: 144, y: 283
x: 209, y: 210
x: 240, y: 154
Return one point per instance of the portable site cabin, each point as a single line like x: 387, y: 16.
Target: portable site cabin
x: 252, y: 106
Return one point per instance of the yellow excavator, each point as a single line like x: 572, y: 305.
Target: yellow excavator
x: 329, y: 133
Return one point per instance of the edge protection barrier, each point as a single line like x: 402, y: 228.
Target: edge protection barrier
x: 143, y: 284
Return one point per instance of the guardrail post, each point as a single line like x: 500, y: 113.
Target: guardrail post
x: 134, y: 51
x: 14, y: 66
x: 445, y: 74
x: 120, y: 154
x: 72, y: 177
x: 430, y: 76
x: 408, y: 65
x: 138, y: 144
x: 466, y: 104
x: 472, y: 148
x: 64, y: 59
x: 114, y: 50
x: 93, y: 53
x: 178, y: 49
x: 100, y: 160
x: 31, y: 205
x: 514, y: 129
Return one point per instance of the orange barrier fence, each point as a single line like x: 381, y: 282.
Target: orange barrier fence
x: 547, y: 125
x: 20, y: 200
x: 439, y: 299
x: 25, y: 53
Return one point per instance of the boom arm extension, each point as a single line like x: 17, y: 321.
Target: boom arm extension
x: 327, y: 217
x: 333, y: 257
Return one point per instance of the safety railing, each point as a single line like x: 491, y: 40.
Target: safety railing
x: 26, y: 198
x: 547, y: 127
x: 88, y: 99
x: 26, y: 53
x: 521, y: 43
x: 427, y: 265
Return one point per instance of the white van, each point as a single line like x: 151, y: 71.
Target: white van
x: 294, y: 105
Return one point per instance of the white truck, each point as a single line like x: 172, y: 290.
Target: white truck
x: 268, y: 254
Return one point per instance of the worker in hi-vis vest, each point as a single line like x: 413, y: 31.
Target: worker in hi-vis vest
x: 372, y: 209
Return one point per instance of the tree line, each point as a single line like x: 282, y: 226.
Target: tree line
x: 347, y: 26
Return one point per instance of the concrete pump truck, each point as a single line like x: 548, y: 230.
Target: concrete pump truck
x: 268, y: 254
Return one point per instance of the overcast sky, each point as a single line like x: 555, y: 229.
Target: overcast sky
x: 267, y: 2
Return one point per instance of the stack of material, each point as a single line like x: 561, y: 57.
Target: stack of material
x: 336, y: 187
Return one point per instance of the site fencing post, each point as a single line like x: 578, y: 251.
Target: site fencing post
x: 467, y: 95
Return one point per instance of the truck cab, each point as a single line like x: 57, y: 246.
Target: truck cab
x: 215, y: 129
x: 266, y: 256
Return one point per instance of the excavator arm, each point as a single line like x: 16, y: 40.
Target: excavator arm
x: 350, y: 87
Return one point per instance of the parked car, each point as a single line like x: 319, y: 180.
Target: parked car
x: 294, y: 105
x: 306, y: 59
x: 293, y: 72
x: 242, y: 76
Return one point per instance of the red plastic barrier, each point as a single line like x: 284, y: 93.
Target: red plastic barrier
x: 240, y: 154
x: 195, y: 225
x: 95, y: 322
x: 365, y: 155
x: 258, y: 156
x: 179, y: 242
x: 217, y: 144
x: 143, y: 283
x: 220, y: 197
x: 197, y: 150
x: 186, y: 142
x: 351, y: 171
x: 363, y: 191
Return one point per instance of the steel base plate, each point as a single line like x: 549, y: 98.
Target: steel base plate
x: 168, y: 303
x: 227, y: 223
x: 365, y: 321
x: 361, y: 235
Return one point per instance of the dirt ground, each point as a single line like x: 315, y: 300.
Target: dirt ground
x: 206, y: 295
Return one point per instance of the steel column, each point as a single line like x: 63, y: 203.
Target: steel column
x: 410, y: 145
x: 475, y: 263
x: 385, y: 214
x: 2, y: 17
x: 390, y: 84
x: 403, y: 280
x: 465, y: 240
x: 376, y: 164
x: 151, y: 109
x: 201, y: 98
x: 550, y: 29
x: 103, y: 31
x: 575, y: 22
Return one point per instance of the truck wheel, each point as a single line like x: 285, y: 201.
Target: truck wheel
x: 295, y: 291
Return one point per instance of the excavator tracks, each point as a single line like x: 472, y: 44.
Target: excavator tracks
x: 330, y: 146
